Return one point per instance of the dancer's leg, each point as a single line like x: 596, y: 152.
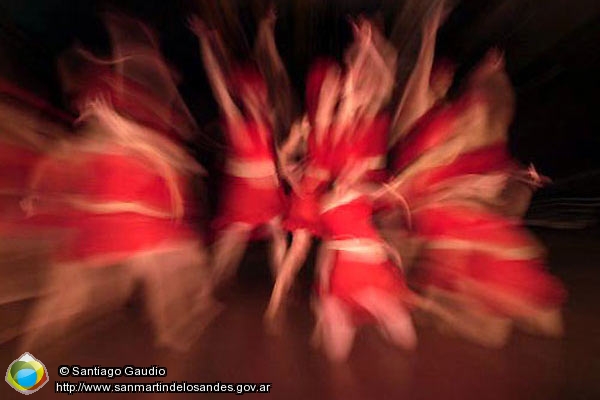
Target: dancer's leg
x: 337, y: 329
x: 532, y: 318
x: 278, y: 246
x: 392, y: 316
x: 323, y: 267
x: 463, y: 316
x: 228, y: 252
x: 293, y: 261
x: 62, y: 306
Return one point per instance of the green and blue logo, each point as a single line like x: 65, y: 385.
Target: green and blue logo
x: 27, y: 374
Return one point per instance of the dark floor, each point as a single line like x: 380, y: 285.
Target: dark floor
x: 236, y: 349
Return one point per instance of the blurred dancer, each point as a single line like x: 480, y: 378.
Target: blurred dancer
x: 479, y: 264
x: 353, y: 134
x: 423, y: 103
x: 310, y: 179
x: 119, y: 190
x: 119, y: 198
x: 361, y: 280
x: 369, y: 86
x: 252, y: 195
x: 275, y: 74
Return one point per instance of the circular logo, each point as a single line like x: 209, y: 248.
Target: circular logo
x: 27, y: 374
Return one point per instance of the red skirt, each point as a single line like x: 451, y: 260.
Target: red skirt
x: 17, y: 163
x: 489, y: 251
x: 116, y: 237
x: 304, y: 213
x: 243, y: 202
x: 349, y: 277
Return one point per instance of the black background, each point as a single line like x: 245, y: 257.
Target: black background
x: 552, y: 51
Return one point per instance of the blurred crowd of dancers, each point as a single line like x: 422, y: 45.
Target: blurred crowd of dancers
x: 416, y: 202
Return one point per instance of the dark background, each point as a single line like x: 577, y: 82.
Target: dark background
x: 552, y: 50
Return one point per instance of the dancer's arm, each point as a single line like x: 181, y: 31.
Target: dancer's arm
x: 384, y: 68
x: 164, y: 155
x: 215, y: 74
x: 328, y: 98
x: 273, y: 68
x: 387, y: 73
x: 441, y: 155
x: 417, y: 97
x: 142, y: 139
x: 297, y: 136
x: 266, y: 42
x: 363, y: 36
x: 349, y: 101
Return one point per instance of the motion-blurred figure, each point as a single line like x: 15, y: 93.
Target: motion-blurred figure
x: 423, y: 101
x: 252, y: 196
x: 309, y: 178
x: 479, y: 264
x: 361, y: 281
x: 363, y: 110
x: 119, y: 189
x: 344, y: 128
x: 428, y: 84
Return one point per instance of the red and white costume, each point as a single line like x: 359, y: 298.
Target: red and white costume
x: 119, y: 196
x: 251, y: 193
x: 116, y: 202
x: 360, y: 258
x: 368, y: 146
x: 323, y: 163
x: 120, y: 192
x: 119, y: 200
x: 453, y: 207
